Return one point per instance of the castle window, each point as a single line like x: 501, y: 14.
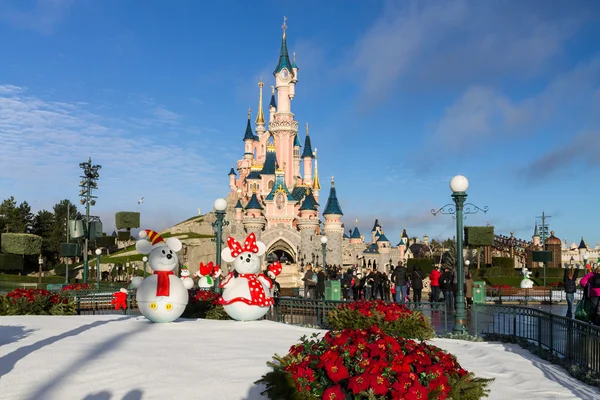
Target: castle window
x: 270, y: 185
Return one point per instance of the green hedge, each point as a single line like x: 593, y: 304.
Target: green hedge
x: 477, y: 236
x: 21, y: 243
x: 425, y: 264
x: 127, y: 219
x: 30, y: 279
x: 552, y: 272
x: 106, y: 241
x: 503, y: 262
x: 11, y: 262
x: 124, y: 236
x: 497, y: 272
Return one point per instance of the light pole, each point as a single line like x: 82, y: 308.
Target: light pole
x: 145, y: 260
x: 220, y: 207
x: 459, y: 185
x: 324, y: 248
x: 87, y: 184
x: 98, y: 253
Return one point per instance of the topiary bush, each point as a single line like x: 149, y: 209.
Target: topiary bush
x: 21, y: 243
x: 392, y: 318
x: 369, y: 364
x: 127, y: 220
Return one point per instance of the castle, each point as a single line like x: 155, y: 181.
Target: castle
x: 274, y: 191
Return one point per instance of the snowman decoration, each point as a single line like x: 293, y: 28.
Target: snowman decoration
x: 162, y: 296
x: 246, y: 293
x: 526, y: 283
x: 188, y: 282
x: 206, y: 274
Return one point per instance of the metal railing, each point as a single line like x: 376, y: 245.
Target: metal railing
x: 525, y: 296
x: 92, y: 302
x: 575, y: 341
x: 307, y: 312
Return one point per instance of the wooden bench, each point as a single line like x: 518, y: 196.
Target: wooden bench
x: 544, y: 292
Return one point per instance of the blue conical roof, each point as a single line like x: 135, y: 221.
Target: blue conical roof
x: 355, y: 233
x: 333, y: 205
x: 249, y: 134
x: 284, y: 58
x: 297, y: 141
x: 309, y: 202
x: 232, y: 172
x: 382, y: 238
x: 254, y: 204
x: 273, y: 103
x: 239, y: 204
x: 401, y: 243
x: 308, y: 152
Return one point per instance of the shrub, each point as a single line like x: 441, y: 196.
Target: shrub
x: 21, y: 243
x: 204, y: 304
x: 392, y: 318
x: 35, y: 302
x: 356, y: 363
x: 503, y: 262
x: 127, y: 220
x: 425, y: 264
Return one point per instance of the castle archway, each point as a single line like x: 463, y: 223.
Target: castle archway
x: 281, y: 250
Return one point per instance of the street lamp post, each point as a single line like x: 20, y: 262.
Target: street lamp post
x: 220, y: 207
x: 145, y: 260
x: 87, y: 184
x: 459, y: 185
x: 98, y: 253
x: 324, y: 248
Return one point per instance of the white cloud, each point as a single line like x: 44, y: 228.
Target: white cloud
x: 43, y: 143
x: 428, y: 44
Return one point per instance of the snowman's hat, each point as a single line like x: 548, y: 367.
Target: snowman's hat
x: 184, y: 268
x: 153, y: 236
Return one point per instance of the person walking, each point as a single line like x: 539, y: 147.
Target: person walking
x: 591, y: 283
x: 416, y: 282
x: 434, y: 278
x: 446, y: 284
x: 310, y: 283
x: 400, y: 279
x: 320, y: 286
x: 570, y: 282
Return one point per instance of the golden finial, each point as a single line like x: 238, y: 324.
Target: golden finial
x: 284, y: 26
x: 294, y: 57
x: 307, y: 126
x: 273, y: 90
x: 253, y: 189
x: 307, y: 191
x: 356, y: 221
x: 199, y: 212
x: 315, y: 155
x: 316, y: 183
x: 332, y: 181
x: 260, y: 117
x: 249, y: 112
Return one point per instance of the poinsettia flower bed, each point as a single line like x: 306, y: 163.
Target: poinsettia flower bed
x: 393, y: 318
x: 35, y: 302
x: 77, y: 286
x: 204, y: 304
x: 369, y: 364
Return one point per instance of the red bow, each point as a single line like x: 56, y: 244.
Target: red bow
x: 163, y: 288
x: 208, y: 269
x: 237, y: 249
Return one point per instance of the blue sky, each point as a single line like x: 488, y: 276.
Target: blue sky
x: 400, y: 97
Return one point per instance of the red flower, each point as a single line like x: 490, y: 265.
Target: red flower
x: 379, y: 384
x: 417, y: 392
x: 334, y: 393
x: 336, y: 371
x: 359, y: 383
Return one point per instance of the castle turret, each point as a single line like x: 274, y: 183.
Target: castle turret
x: 272, y: 104
x: 249, y: 139
x: 355, y: 237
x: 260, y: 117
x: 239, y: 211
x: 297, y: 147
x: 307, y: 158
x: 536, y: 236
x: 254, y: 220
x: 232, y: 176
x: 376, y: 231
x: 308, y: 224
x: 284, y: 74
x: 332, y: 227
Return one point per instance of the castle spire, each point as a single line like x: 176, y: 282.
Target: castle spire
x: 260, y: 117
x: 307, y: 153
x: 333, y: 205
x: 316, y: 183
x: 249, y: 135
x: 284, y: 58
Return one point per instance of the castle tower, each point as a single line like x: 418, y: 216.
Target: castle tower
x: 260, y: 117
x: 332, y: 227
x: 283, y: 126
x: 307, y: 158
x: 308, y: 223
x: 376, y: 231
x: 355, y: 237
x: 536, y: 236
x: 254, y: 220
x: 272, y: 104
x: 239, y: 211
x: 249, y: 139
x: 297, y: 146
x: 232, y: 176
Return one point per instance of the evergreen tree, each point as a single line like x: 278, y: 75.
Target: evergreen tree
x: 15, y: 219
x: 449, y: 257
x: 58, y: 234
x: 43, y: 225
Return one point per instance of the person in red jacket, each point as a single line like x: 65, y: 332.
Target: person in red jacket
x: 434, y: 277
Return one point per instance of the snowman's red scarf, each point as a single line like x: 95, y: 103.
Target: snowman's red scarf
x: 258, y: 297
x: 163, y: 288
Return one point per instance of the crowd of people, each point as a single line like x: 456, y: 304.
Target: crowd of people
x: 401, y: 285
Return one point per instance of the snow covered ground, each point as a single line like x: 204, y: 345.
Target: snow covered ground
x: 115, y: 357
